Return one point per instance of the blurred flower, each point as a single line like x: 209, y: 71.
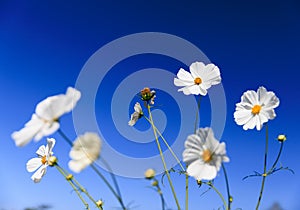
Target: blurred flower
x: 45, y: 119
x: 281, y: 138
x: 148, y: 95
x: 201, y: 78
x: 86, y: 149
x: 256, y: 108
x: 40, y: 163
x: 204, y: 154
x: 137, y: 114
x: 150, y: 173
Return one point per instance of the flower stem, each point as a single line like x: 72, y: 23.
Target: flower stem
x: 277, y: 159
x: 218, y: 192
x: 197, y: 114
x: 73, y: 186
x: 186, y: 191
x: 265, y: 170
x: 117, y: 195
x: 162, y: 158
x: 166, y: 143
x: 227, y: 187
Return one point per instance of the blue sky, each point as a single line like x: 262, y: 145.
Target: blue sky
x: 44, y: 47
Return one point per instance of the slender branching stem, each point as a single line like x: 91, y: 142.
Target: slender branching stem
x: 265, y: 170
x: 227, y: 187
x: 162, y: 158
x: 277, y: 159
x: 73, y: 185
x: 219, y: 194
x: 117, y: 195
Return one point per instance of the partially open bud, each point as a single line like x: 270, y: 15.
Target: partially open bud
x: 281, y: 138
x: 52, y: 161
x: 148, y: 95
x: 99, y: 203
x: 149, y: 174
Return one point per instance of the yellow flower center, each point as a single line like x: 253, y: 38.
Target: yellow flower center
x: 256, y: 109
x: 207, y: 156
x: 197, y: 80
x: 44, y: 160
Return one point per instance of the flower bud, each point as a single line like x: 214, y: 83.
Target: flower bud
x: 155, y: 183
x: 281, y: 138
x: 149, y: 174
x: 99, y: 203
x: 69, y: 176
x: 52, y: 161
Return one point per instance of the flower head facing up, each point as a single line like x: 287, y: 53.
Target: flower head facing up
x: 40, y: 163
x: 281, y: 138
x: 201, y: 78
x: 204, y: 154
x: 256, y: 108
x: 86, y: 149
x: 45, y: 119
x: 137, y: 114
x: 148, y: 95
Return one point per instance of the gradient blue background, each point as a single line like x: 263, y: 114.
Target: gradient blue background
x: 44, y: 45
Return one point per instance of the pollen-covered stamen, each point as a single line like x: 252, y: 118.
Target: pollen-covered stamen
x: 44, y: 160
x: 207, y: 156
x: 197, y: 80
x: 256, y: 109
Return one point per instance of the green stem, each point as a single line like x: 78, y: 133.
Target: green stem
x: 197, y: 115
x: 277, y: 159
x: 162, y: 158
x: 227, y: 187
x: 265, y: 170
x: 73, y: 186
x: 186, y: 191
x: 117, y: 195
x: 218, y: 192
x: 166, y: 143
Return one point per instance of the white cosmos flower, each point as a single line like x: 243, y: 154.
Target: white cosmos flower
x: 86, y: 149
x: 137, y: 114
x: 45, y: 119
x: 256, y: 108
x: 201, y: 78
x: 40, y: 164
x: 204, y: 154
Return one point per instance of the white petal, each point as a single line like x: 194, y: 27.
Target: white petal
x: 23, y: 136
x: 200, y: 171
x: 196, y: 69
x: 41, y: 151
x: 179, y: 82
x: 47, y: 129
x: 137, y: 107
x: 85, y: 150
x: 242, y: 117
x: 37, y: 176
x: 50, y: 145
x: 185, y: 90
x: 72, y: 97
x: 33, y: 164
x: 51, y: 108
x: 267, y: 99
x: 251, y: 123
x: 250, y: 97
x: 185, y: 76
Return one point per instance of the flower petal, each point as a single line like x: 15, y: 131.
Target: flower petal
x: 33, y: 164
x: 37, y: 176
x: 23, y: 136
x: 200, y: 171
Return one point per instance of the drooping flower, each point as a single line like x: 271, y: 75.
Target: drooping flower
x: 137, y: 114
x: 256, y: 108
x: 40, y: 163
x: 45, y: 119
x: 201, y: 78
x: 204, y: 154
x: 86, y: 149
x: 148, y: 95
